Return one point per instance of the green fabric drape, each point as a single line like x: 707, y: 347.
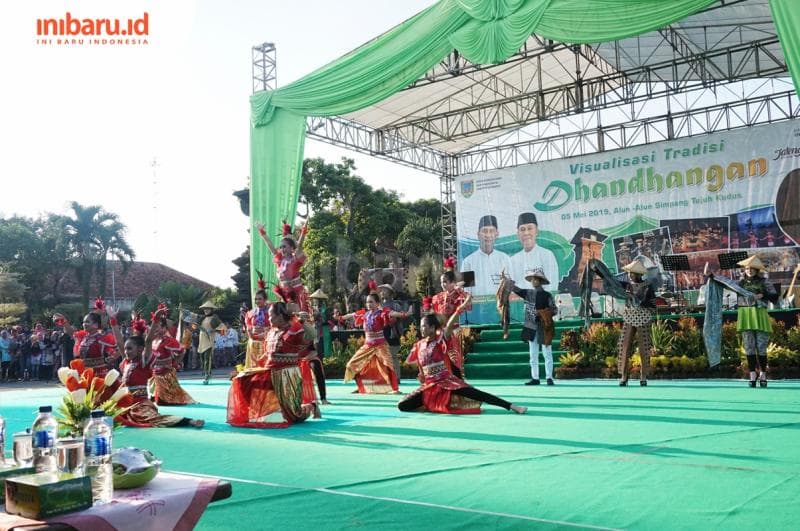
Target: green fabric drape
x: 276, y: 163
x: 483, y: 31
x: 786, y: 16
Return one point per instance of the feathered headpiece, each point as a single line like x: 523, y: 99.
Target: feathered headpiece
x: 138, y: 325
x: 372, y: 286
x: 427, y: 302
x: 287, y: 229
x: 99, y: 305
x: 161, y: 306
x: 450, y: 263
x: 262, y: 284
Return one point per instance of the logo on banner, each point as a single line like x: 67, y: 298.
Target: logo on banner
x: 467, y: 188
x: 70, y: 30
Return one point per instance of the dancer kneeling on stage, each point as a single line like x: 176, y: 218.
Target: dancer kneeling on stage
x: 272, y: 395
x: 753, y: 320
x: 135, y: 373
x: 371, y: 366
x: 441, y: 392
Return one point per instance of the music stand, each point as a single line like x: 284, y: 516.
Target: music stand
x: 676, y: 262
x: 730, y: 260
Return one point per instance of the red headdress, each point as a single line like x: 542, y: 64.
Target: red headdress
x: 287, y: 229
x: 262, y: 284
x: 99, y: 305
x: 373, y: 286
x: 450, y: 263
x: 161, y: 306
x: 427, y: 302
x: 138, y: 325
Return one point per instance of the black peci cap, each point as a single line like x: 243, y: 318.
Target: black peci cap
x: 487, y: 221
x: 525, y: 218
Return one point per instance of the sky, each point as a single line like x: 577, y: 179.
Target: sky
x: 85, y: 123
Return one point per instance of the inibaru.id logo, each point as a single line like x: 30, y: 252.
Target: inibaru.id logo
x: 72, y: 30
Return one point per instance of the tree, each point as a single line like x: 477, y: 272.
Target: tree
x: 111, y: 241
x: 242, y: 277
x: 93, y: 233
x: 420, y: 237
x: 12, y: 293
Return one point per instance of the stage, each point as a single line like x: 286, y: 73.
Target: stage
x: 589, y: 454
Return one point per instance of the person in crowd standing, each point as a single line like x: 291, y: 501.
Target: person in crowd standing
x: 5, y: 354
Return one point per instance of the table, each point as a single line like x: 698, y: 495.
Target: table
x: 169, y: 501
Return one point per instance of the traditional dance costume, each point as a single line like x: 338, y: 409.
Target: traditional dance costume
x: 274, y: 396
x: 143, y: 413
x: 637, y: 317
x: 165, y: 388
x: 205, y: 346
x: 538, y: 329
x: 291, y: 288
x: 93, y: 349
x: 445, y: 304
x: 752, y: 322
x: 256, y: 323
x: 371, y: 366
x: 441, y: 391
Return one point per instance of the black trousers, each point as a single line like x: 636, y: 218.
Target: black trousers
x: 414, y: 401
x: 319, y: 376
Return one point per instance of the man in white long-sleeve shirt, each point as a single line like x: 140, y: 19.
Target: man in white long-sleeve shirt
x: 487, y: 262
x: 532, y: 257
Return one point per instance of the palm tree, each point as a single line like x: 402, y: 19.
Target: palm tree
x: 93, y: 233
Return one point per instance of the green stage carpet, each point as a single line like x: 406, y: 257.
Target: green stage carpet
x: 589, y: 454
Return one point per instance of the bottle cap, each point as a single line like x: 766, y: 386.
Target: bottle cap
x: 98, y: 414
x: 45, y: 409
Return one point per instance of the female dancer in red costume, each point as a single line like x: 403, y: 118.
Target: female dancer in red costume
x: 135, y: 373
x: 441, y: 391
x: 447, y: 304
x: 256, y: 323
x: 371, y: 366
x: 289, y: 259
x: 272, y: 395
x: 167, y: 353
x: 95, y: 347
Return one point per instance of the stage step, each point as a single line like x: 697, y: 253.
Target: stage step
x: 498, y: 357
x: 495, y: 358
x: 521, y: 371
x: 514, y: 344
x: 515, y: 331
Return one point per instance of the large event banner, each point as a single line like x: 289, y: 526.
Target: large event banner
x: 702, y: 196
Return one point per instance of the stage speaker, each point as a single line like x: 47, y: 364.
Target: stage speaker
x: 394, y: 276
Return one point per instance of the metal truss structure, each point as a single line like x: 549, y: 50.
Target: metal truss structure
x: 718, y: 70
x: 265, y: 74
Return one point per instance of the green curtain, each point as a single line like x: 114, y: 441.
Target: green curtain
x: 786, y: 16
x: 483, y: 31
x: 276, y: 163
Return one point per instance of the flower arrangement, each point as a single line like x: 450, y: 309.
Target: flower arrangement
x: 87, y: 392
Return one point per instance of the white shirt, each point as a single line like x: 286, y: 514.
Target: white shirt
x: 231, y: 338
x: 536, y: 258
x: 487, y: 269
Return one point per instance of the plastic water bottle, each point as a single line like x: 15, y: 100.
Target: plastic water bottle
x: 97, y: 447
x: 43, y: 437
